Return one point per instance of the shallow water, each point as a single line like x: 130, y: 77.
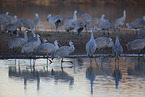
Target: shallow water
x: 96, y: 77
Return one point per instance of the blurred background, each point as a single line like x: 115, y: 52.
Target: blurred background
x: 112, y: 9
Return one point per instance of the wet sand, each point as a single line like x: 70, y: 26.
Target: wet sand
x: 64, y: 37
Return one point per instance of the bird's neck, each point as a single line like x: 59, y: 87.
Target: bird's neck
x: 56, y: 46
x: 38, y: 40
x: 25, y: 36
x: 92, y: 36
x: 72, y: 48
x: 117, y: 41
x: 75, y: 17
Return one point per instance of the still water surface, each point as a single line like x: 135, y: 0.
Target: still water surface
x: 96, y: 77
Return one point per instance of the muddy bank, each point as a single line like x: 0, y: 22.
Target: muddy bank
x: 64, y: 37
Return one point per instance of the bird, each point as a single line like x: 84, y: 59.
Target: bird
x: 137, y: 23
x: 79, y: 27
x: 120, y: 21
x: 8, y: 17
x: 105, y: 26
x: 48, y: 48
x: 117, y: 48
x: 141, y: 34
x: 18, y: 22
x: 29, y: 24
x: 87, y: 19
x: 99, y: 20
x: 18, y: 42
x: 31, y: 47
x: 37, y: 20
x: 104, y: 42
x: 91, y: 45
x: 11, y: 27
x: 137, y: 44
x: 64, y: 51
x: 3, y: 21
x: 71, y: 22
x: 55, y: 21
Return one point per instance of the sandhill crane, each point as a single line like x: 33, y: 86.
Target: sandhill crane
x: 37, y: 20
x: 28, y: 23
x: 117, y: 48
x: 137, y: 44
x: 18, y: 42
x: 79, y: 27
x: 105, y: 26
x: 48, y: 48
x: 137, y: 23
x: 64, y: 51
x: 11, y: 27
x: 141, y: 33
x: 72, y: 22
x: 8, y: 17
x: 19, y: 23
x: 99, y: 20
x: 3, y: 21
x: 119, y: 22
x: 91, y: 45
x: 87, y: 19
x: 31, y: 47
x: 104, y: 42
x: 55, y: 21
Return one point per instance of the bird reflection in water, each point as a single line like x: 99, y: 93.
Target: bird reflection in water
x: 139, y: 68
x: 30, y: 73
x: 117, y: 75
x: 91, y: 74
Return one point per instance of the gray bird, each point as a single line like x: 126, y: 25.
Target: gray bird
x: 3, y: 21
x: 104, y: 42
x: 29, y: 24
x: 137, y: 23
x: 11, y: 27
x: 37, y: 20
x: 64, y: 51
x: 55, y: 21
x: 91, y: 45
x: 105, y: 26
x: 141, y: 33
x: 31, y: 47
x: 137, y: 44
x: 48, y: 48
x: 79, y: 27
x: 117, y: 48
x: 119, y: 22
x: 71, y: 22
x: 18, y: 42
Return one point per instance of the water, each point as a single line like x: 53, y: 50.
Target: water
x: 96, y: 77
x: 28, y: 10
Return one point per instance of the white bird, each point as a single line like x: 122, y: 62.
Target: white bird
x: 91, y: 45
x: 104, y: 42
x: 137, y: 44
x: 64, y: 51
x: 18, y: 42
x: 37, y: 20
x: 119, y: 22
x: 117, y: 48
x: 31, y: 47
x: 55, y: 21
x: 28, y: 23
x: 79, y: 27
x: 48, y: 48
x: 72, y: 22
x: 11, y: 27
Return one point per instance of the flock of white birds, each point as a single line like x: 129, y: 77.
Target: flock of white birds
x: 35, y: 45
